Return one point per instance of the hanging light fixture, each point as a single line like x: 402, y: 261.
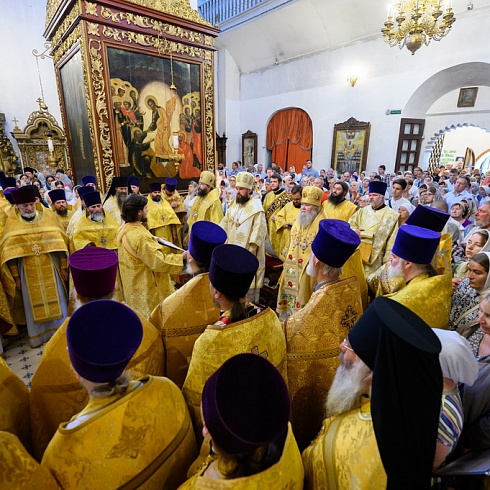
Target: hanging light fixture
x: 412, y: 23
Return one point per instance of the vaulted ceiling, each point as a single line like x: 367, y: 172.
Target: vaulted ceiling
x: 307, y: 26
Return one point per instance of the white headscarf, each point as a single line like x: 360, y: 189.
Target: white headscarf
x: 457, y: 361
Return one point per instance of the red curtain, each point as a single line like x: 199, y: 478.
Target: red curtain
x: 290, y: 137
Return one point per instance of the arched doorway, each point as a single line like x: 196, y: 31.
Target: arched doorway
x: 290, y: 138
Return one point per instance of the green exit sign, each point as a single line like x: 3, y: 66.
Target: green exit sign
x: 396, y: 111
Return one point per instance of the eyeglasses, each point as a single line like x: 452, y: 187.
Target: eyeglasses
x: 346, y: 345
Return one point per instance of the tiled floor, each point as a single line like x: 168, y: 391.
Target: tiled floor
x: 21, y: 358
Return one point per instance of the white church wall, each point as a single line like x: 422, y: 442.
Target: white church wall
x: 387, y: 79
x: 21, y: 32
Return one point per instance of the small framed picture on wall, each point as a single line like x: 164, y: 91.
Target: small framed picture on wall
x: 467, y: 97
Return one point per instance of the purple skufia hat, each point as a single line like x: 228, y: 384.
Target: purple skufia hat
x: 94, y: 271
x: 170, y: 184
x: 24, y: 195
x: 7, y: 194
x: 155, y: 186
x: 427, y: 217
x: 84, y: 190
x: 245, y: 404
x: 134, y: 181
x: 205, y: 237
x: 102, y: 337
x: 232, y: 270
x: 89, y: 179
x: 92, y: 198
x: 416, y: 244
x: 57, y: 195
x: 8, y: 182
x: 334, y: 242
x: 377, y: 187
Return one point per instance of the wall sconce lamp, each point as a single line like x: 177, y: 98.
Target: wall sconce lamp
x: 352, y: 81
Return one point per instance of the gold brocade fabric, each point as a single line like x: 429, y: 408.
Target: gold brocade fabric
x: 378, y: 230
x: 354, y: 267
x: 14, y: 405
x: 428, y: 297
x: 19, y: 470
x: 34, y: 241
x: 145, y: 269
x: 56, y: 393
x: 100, y: 233
x: 207, y: 208
x: 345, y: 454
x: 261, y: 334
x: 286, y: 473
x: 181, y: 318
x: 245, y: 226
x: 64, y: 220
x: 342, y: 211
x: 313, y: 336
x: 273, y: 203
x: 7, y: 324
x: 164, y: 223
x: 74, y: 219
x: 296, y: 286
x: 110, y: 206
x: 143, y: 439
x: 279, y: 231
x: 175, y: 200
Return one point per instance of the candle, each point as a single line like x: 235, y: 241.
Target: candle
x: 176, y: 141
x: 50, y: 145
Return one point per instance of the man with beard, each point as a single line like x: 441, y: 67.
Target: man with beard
x: 296, y: 286
x: 337, y: 206
x: 96, y: 228
x: 389, y: 351
x: 79, y: 209
x: 162, y: 220
x: 56, y: 396
x: 117, y: 194
x: 207, y: 206
x: 246, y: 227
x: 333, y: 309
x: 242, y: 327
x: 172, y: 196
x: 61, y: 208
x: 425, y: 292
x: 183, y: 316
x: 145, y: 269
x: 376, y: 225
x: 281, y: 223
x: 276, y: 198
x: 33, y: 257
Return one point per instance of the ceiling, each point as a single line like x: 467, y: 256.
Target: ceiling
x: 303, y: 27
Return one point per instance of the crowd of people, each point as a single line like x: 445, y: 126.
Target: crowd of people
x: 176, y: 356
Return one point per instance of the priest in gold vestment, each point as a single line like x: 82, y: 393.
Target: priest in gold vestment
x: 367, y: 426
x: 296, y: 287
x: 337, y: 206
x: 183, y: 316
x: 60, y: 207
x: 56, y: 394
x: 33, y: 251
x: 426, y: 293
x: 132, y: 433
x: 172, y: 196
x: 207, y: 206
x: 245, y: 410
x: 162, y: 220
x: 79, y: 209
x: 117, y: 194
x: 245, y: 225
x: 280, y: 224
x: 145, y: 269
x: 376, y: 225
x: 276, y: 198
x: 241, y: 328
x: 314, y: 333
x: 96, y: 228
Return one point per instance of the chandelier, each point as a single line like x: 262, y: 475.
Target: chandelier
x: 412, y: 23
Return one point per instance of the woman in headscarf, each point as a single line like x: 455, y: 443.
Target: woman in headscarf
x: 405, y: 210
x: 466, y: 298
x: 476, y: 242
